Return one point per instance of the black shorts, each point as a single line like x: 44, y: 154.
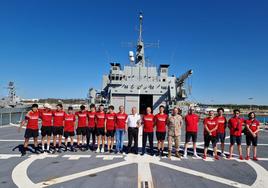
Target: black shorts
x: 46, y: 131
x: 110, y: 133
x: 235, y: 139
x: 221, y: 137
x: 208, y: 139
x: 100, y: 131
x: 29, y: 133
x: 68, y: 134
x: 190, y: 135
x: 58, y: 130
x: 161, y: 136
x: 81, y: 131
x: 91, y: 130
x: 251, y: 140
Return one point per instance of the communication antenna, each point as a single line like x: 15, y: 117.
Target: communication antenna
x: 139, y: 57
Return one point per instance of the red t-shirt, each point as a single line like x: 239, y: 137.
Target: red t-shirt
x: 121, y: 120
x: 58, y: 118
x: 211, y: 124
x: 91, y: 119
x: 253, y: 125
x: 100, y: 119
x: 82, y: 118
x: 32, y: 120
x: 236, y: 126
x: 221, y: 124
x: 148, y: 123
x: 191, y: 121
x: 161, y: 122
x: 46, y: 117
x: 110, y: 121
x: 69, y: 122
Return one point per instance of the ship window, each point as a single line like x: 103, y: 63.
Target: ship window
x: 114, y: 68
x: 164, y: 80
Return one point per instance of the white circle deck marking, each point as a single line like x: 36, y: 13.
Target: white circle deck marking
x: 21, y: 179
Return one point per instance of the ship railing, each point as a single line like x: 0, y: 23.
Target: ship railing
x: 11, y: 116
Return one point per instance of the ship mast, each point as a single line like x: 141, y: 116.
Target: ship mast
x: 140, y: 60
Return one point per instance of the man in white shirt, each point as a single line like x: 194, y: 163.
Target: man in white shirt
x: 133, y: 123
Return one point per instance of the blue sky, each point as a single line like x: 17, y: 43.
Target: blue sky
x: 60, y: 48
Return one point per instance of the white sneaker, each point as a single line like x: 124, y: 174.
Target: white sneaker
x: 98, y: 150
x: 196, y: 156
x: 185, y: 157
x: 223, y: 155
x: 102, y: 150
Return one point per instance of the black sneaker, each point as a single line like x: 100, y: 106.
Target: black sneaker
x: 42, y: 151
x: 23, y: 153
x: 36, y: 151
x: 59, y: 150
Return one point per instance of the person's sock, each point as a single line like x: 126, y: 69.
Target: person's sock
x: 43, y: 147
x: 48, y: 147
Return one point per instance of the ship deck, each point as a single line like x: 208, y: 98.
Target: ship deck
x: 88, y: 169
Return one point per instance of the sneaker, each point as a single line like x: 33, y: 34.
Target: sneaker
x: 216, y: 157
x: 185, y: 156
x: 241, y: 157
x: 59, y: 150
x: 196, y: 156
x: 98, y: 150
x: 255, y: 159
x: 204, y: 157
x: 36, y: 151
x: 42, y: 151
x: 23, y: 153
x: 223, y: 155
x: 102, y: 150
x: 247, y: 158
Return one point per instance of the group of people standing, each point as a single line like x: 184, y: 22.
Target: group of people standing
x: 111, y: 126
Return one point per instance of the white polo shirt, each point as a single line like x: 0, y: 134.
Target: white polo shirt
x: 132, y: 120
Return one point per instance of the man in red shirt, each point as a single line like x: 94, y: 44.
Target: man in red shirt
x: 91, y: 126
x: 148, y: 130
x: 235, y: 125
x: 100, y: 132
x: 210, y: 134
x: 46, y: 129
x: 31, y: 119
x: 252, y: 127
x: 69, y: 124
x: 191, y: 128
x: 161, y: 123
x: 58, y: 119
x: 222, y: 124
x: 121, y: 128
x: 110, y: 127
x: 81, y: 130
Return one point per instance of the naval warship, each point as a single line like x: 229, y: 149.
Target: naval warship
x: 139, y: 84
x: 12, y: 109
